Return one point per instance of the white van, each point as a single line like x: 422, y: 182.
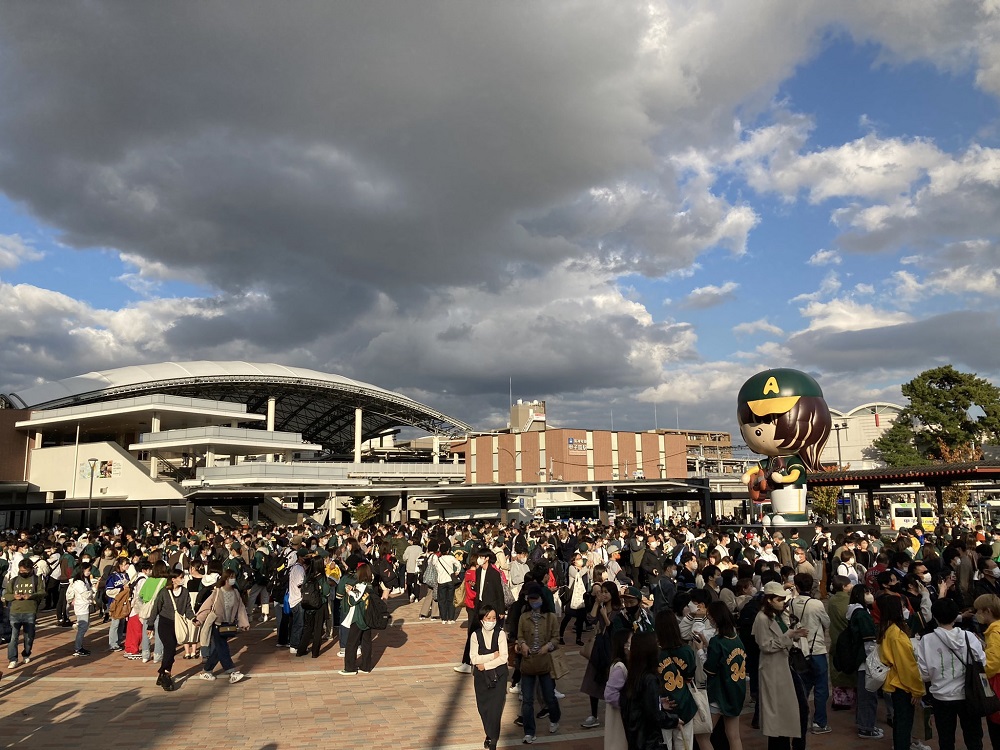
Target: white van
x: 904, y: 515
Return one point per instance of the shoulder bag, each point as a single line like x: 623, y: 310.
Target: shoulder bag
x: 703, y: 719
x: 978, y: 691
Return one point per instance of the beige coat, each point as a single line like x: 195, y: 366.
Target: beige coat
x: 779, y: 709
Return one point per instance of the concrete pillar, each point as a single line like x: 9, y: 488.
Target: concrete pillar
x: 38, y: 440
x: 189, y: 513
x: 154, y: 462
x: 435, y: 447
x: 939, y: 496
x: 871, y: 504
x: 602, y: 504
x: 254, y: 514
x: 357, y: 435
x: 404, y: 514
x: 271, y: 401
x: 504, y: 502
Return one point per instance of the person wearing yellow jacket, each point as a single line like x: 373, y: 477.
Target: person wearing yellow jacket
x: 987, y: 609
x: 903, y: 683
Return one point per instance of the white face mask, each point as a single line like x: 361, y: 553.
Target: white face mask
x: 869, y: 599
x: 995, y: 572
x: 692, y: 608
x: 488, y: 625
x: 926, y: 577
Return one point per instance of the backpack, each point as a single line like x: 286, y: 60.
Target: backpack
x: 848, y: 651
x: 745, y: 625
x: 376, y: 613
x: 121, y: 607
x: 312, y: 597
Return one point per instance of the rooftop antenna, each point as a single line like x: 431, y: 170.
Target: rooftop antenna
x: 510, y: 390
x: 612, y: 419
x: 677, y: 413
x: 655, y: 425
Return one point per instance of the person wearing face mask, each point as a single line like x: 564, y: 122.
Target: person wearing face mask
x: 171, y: 602
x: 221, y: 614
x: 489, y: 661
x: 863, y: 633
x: 573, y: 602
x: 632, y: 616
x: 988, y: 579
x: 782, y: 721
x: 518, y: 570
x: 537, y: 632
x: 485, y: 587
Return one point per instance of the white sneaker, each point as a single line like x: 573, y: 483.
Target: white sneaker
x: 207, y: 676
x: 514, y: 689
x: 291, y: 649
x: 918, y: 745
x: 590, y: 722
x: 529, y: 739
x: 27, y: 660
x: 559, y: 696
x: 231, y: 670
x: 464, y: 669
x: 553, y: 728
x: 235, y: 677
x: 145, y: 660
x: 12, y: 665
x: 412, y: 598
x: 341, y: 654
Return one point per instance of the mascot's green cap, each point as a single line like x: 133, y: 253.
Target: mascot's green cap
x: 776, y: 391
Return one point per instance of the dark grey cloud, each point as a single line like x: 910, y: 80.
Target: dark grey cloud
x: 965, y: 338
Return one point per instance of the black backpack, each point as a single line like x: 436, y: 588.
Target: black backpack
x: 376, y: 613
x: 848, y: 651
x: 312, y: 597
x: 745, y: 625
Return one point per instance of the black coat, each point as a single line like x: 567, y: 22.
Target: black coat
x: 492, y: 590
x: 643, y: 718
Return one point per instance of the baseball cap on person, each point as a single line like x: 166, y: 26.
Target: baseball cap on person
x: 773, y: 588
x: 296, y: 540
x: 613, y: 549
x: 633, y: 592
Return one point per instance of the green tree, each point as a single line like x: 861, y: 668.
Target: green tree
x: 825, y: 500
x: 364, y: 510
x: 948, y: 411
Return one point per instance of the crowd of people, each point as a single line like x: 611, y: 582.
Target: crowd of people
x: 683, y: 628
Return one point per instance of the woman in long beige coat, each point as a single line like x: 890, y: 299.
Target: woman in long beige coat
x: 781, y: 720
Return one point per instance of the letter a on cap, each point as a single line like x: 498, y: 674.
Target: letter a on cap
x: 771, y: 386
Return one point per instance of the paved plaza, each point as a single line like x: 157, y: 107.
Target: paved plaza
x: 413, y: 699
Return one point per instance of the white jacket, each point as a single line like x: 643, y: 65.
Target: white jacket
x: 942, y: 656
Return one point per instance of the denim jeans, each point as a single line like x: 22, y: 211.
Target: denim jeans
x: 219, y: 653
x: 548, y: 686
x: 867, y: 705
x: 818, y: 682
x: 114, y: 634
x: 157, y: 645
x: 21, y: 623
x: 82, y: 625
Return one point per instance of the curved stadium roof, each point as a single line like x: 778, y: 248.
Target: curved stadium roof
x: 317, y: 404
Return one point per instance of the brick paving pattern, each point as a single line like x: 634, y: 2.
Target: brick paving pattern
x: 412, y: 700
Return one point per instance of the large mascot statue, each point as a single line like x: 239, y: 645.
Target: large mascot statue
x: 783, y: 416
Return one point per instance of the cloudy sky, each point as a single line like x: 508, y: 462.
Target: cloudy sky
x: 616, y: 205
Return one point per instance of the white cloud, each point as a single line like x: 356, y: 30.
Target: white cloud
x: 827, y: 288
x: 711, y: 295
x: 848, y: 315
x: 825, y: 258
x: 14, y: 251
x: 757, y: 326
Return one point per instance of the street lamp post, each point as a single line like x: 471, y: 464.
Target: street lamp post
x: 838, y: 426
x: 90, y: 498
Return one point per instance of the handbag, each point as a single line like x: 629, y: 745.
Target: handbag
x: 459, y: 598
x: 875, y: 671
x: 797, y: 659
x: 560, y: 667
x: 588, y: 648
x: 185, y: 630
x: 703, y: 719
x: 228, y: 628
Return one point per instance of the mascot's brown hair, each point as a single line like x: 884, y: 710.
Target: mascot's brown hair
x: 803, y: 429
